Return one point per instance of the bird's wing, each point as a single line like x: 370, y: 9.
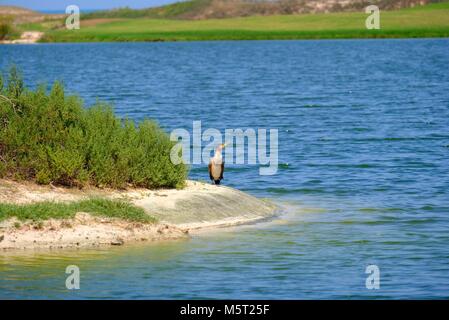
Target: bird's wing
x: 210, y: 171
x: 222, y: 170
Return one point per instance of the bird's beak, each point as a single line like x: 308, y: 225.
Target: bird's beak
x: 224, y: 145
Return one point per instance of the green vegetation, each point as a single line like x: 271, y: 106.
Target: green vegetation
x: 41, y: 26
x: 424, y: 21
x: 49, y: 137
x: 6, y: 28
x: 169, y: 11
x: 58, y: 210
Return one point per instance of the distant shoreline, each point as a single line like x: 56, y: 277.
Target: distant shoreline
x: 384, y: 37
x: 267, y: 37
x: 427, y: 21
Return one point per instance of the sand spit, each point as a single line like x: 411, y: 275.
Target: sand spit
x: 82, y: 231
x: 27, y: 37
x: 198, y: 206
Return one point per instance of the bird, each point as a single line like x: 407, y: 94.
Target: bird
x: 216, y: 165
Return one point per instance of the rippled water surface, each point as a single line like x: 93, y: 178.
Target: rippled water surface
x: 364, y: 145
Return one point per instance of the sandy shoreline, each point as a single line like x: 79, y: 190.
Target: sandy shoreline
x: 198, y: 206
x: 83, y: 231
x: 27, y: 37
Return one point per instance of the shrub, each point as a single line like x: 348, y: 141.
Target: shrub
x: 49, y: 137
x: 5, y: 27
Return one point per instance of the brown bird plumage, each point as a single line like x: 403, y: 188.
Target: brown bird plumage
x: 216, y: 166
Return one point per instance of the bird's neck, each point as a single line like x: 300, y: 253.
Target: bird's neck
x: 217, y: 156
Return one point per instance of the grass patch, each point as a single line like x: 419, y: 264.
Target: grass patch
x: 422, y: 21
x: 41, y: 26
x: 55, y: 210
x: 50, y: 137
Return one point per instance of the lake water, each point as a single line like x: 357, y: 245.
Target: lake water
x: 364, y: 170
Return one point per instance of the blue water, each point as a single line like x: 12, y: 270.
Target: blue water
x: 364, y: 171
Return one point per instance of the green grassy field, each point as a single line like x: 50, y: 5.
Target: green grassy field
x: 426, y: 21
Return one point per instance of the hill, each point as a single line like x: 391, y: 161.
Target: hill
x: 22, y: 15
x: 216, y: 9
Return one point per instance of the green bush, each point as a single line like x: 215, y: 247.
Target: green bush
x: 50, y: 137
x: 5, y: 27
